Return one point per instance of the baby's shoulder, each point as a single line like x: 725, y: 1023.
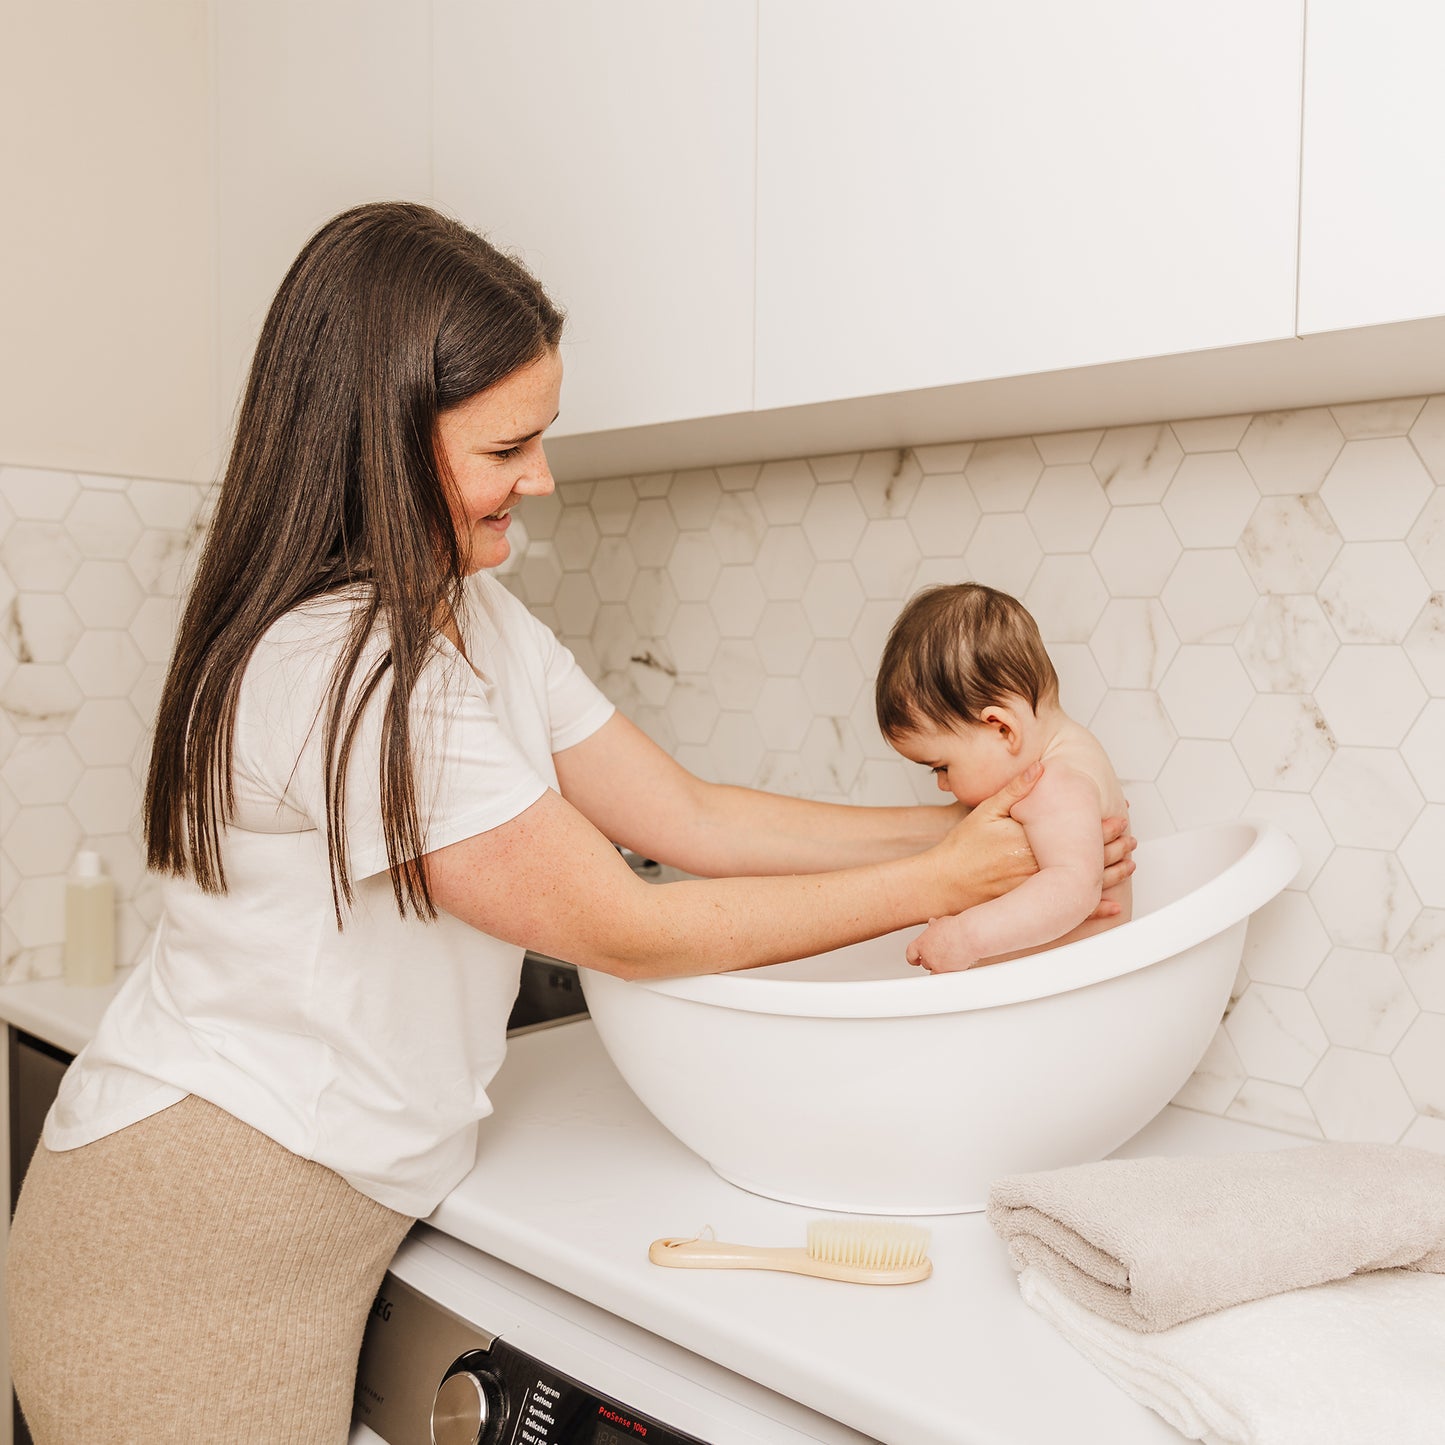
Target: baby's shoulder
x: 1076, y: 748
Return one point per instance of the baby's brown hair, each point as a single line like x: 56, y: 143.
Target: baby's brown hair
x: 956, y: 650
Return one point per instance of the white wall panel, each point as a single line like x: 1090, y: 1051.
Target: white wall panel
x: 1373, y: 198
x: 319, y: 105
x: 955, y: 191
x: 106, y: 242
x: 611, y: 146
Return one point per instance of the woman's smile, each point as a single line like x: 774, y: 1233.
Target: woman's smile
x: 490, y: 449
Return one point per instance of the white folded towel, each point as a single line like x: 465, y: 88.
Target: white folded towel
x: 1358, y: 1361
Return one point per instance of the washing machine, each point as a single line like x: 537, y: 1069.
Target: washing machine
x: 463, y: 1349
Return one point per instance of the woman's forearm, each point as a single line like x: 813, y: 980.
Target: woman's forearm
x: 640, y: 797
x: 593, y: 911
x: 723, y: 924
x: 732, y: 830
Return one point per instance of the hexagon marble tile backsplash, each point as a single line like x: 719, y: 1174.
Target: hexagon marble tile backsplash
x: 91, y: 569
x: 1249, y: 611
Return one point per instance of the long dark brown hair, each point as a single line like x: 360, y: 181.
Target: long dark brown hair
x: 391, y: 314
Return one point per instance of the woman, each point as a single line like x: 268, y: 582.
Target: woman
x: 375, y: 778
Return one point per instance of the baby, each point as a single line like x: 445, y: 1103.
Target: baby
x: 966, y: 688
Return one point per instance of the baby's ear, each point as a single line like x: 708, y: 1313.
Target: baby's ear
x: 1005, y: 722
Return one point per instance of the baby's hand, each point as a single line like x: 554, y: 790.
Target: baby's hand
x: 944, y: 946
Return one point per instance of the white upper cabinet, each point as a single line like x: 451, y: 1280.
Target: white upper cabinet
x: 951, y: 191
x: 611, y: 146
x: 106, y: 270
x: 318, y: 107
x: 748, y: 207
x: 1373, y: 195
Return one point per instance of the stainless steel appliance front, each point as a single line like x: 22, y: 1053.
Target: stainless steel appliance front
x: 464, y: 1349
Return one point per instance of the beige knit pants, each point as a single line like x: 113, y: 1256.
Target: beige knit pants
x: 189, y: 1279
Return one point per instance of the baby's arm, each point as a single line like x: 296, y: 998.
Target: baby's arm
x: 1061, y: 818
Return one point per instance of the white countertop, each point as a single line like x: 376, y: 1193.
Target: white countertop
x: 60, y: 1013
x: 574, y: 1179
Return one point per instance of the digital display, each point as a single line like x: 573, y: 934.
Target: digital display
x: 556, y: 1409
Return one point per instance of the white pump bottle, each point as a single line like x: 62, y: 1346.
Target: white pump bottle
x: 89, y: 923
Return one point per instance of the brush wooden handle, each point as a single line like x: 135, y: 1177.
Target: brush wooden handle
x: 715, y: 1254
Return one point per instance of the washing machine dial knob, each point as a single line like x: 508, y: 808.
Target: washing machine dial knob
x: 460, y: 1413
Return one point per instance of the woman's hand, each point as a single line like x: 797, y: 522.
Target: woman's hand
x: 990, y: 851
x: 987, y: 852
x: 1119, y: 845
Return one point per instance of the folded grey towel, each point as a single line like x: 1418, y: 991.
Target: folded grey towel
x: 1149, y: 1243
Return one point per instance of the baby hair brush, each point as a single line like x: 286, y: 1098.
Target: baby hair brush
x: 856, y: 1251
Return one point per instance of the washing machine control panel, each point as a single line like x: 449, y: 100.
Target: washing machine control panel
x: 428, y: 1377
x: 539, y: 1406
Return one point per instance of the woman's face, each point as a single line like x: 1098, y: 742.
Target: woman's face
x: 492, y: 445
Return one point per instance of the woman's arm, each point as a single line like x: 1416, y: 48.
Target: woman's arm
x: 548, y: 879
x: 635, y: 794
x: 631, y: 790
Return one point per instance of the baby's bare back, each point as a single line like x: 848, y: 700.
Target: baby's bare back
x: 1074, y: 746
x: 1056, y: 816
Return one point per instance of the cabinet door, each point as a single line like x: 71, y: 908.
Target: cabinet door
x: 611, y: 146
x: 1372, y: 213
x: 318, y: 107
x: 950, y: 190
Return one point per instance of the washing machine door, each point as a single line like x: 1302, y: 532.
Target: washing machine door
x: 428, y: 1377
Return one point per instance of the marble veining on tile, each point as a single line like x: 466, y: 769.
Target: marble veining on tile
x: 1248, y: 610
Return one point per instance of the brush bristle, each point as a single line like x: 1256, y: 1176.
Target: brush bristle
x: 868, y: 1244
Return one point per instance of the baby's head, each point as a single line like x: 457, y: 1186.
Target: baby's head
x: 964, y: 665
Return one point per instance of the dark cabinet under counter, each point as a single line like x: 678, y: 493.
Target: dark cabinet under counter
x: 549, y: 993
x: 36, y: 1068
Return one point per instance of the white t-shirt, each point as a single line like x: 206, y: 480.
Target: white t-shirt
x: 367, y: 1049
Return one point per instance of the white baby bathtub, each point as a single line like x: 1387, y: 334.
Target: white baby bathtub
x: 850, y: 1081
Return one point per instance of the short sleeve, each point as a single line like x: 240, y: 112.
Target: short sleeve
x: 471, y: 773
x: 515, y: 648
x: 481, y: 752
x: 576, y: 706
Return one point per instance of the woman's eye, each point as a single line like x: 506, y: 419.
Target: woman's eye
x: 508, y: 454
